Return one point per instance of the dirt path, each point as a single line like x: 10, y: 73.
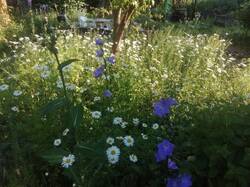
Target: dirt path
x: 239, y: 52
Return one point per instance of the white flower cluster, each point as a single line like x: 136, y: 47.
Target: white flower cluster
x: 128, y: 141
x: 113, y: 154
x: 96, y: 114
x: 155, y: 126
x: 43, y: 69
x: 119, y: 121
x: 17, y: 93
x: 57, y: 142
x: 65, y: 132
x: 15, y: 109
x: 110, y: 140
x: 4, y: 87
x: 133, y: 158
x: 136, y: 121
x: 68, y: 161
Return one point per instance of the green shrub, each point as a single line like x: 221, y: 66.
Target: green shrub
x: 208, y: 7
x: 244, y: 14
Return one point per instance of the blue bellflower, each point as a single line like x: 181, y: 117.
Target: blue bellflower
x: 172, y: 182
x: 99, y: 71
x: 99, y: 42
x: 164, y: 150
x: 183, y: 180
x: 111, y: 60
x: 107, y: 93
x: 162, y: 107
x: 172, y: 164
x: 99, y: 53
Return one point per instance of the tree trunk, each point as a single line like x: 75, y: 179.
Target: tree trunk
x: 4, y: 15
x: 194, y: 8
x: 121, y: 21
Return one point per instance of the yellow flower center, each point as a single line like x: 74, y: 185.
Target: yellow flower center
x: 68, y: 161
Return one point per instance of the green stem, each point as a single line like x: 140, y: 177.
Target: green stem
x: 74, y: 176
x: 61, y: 76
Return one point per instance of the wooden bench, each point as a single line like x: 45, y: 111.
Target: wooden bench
x: 101, y: 24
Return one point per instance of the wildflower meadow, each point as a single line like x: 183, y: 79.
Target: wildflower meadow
x: 165, y: 106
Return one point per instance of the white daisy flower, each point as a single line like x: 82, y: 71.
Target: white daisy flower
x: 113, y: 154
x: 110, y: 109
x: 45, y: 74
x: 65, y: 132
x: 155, y: 126
x: 15, y: 109
x: 37, y: 67
x: 68, y: 161
x: 133, y: 158
x: 117, y: 120
x: 110, y: 140
x: 113, y: 160
x: 164, y: 76
x: 44, y: 118
x: 59, y: 84
x: 70, y: 86
x: 106, y: 77
x: 17, y: 93
x: 57, y: 142
x: 144, y: 125
x: 82, y: 90
x: 96, y: 114
x: 46, y: 173
x: 136, y: 121
x: 124, y: 124
x: 113, y: 151
x: 97, y: 99
x: 128, y: 141
x: 4, y: 87
x: 119, y: 138
x: 144, y: 136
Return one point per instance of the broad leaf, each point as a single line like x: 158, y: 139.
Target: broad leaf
x: 76, y: 115
x: 54, y: 105
x: 54, y: 156
x: 66, y: 63
x: 85, y: 148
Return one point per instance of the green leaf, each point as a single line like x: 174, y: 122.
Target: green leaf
x: 76, y: 115
x: 54, y: 105
x: 85, y: 148
x: 66, y: 63
x: 54, y: 156
x: 53, y: 50
x: 246, y: 160
x: 4, y: 146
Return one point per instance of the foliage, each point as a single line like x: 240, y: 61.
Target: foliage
x: 220, y: 146
x: 127, y: 3
x: 208, y: 7
x: 244, y: 14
